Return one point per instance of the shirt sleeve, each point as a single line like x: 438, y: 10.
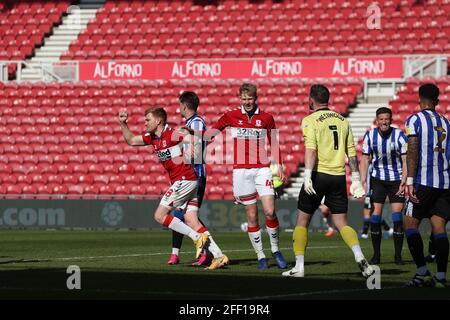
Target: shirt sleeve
x: 367, y: 144
x: 309, y: 134
x: 147, y: 138
x: 222, y: 123
x: 412, y: 126
x: 351, y: 150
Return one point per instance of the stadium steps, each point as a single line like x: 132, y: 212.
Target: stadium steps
x: 56, y: 44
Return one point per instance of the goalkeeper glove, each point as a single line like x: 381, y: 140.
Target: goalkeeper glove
x: 356, y: 188
x: 307, y: 184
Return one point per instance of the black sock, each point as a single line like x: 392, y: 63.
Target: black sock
x: 398, y: 238
x: 442, y: 247
x: 366, y: 225
x: 386, y: 227
x: 415, y: 245
x: 375, y: 234
x: 177, y: 239
x: 431, y: 246
x: 397, y: 217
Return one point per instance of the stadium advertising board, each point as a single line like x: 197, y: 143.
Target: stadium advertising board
x: 368, y: 67
x: 138, y: 214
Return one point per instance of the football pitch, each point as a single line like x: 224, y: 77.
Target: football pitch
x: 133, y: 265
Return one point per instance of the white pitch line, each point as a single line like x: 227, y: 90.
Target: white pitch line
x: 145, y: 255
x: 301, y: 294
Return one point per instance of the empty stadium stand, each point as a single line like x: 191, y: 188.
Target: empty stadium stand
x: 180, y: 29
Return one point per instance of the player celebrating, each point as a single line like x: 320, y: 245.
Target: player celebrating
x: 385, y: 147
x: 182, y: 194
x: 189, y: 102
x: 250, y: 126
x: 328, y: 138
x: 428, y: 183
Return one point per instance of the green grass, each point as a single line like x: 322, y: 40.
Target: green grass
x: 133, y: 265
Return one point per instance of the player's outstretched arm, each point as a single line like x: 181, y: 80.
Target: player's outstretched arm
x: 310, y: 162
x: 130, y: 138
x: 356, y: 188
x: 412, y: 160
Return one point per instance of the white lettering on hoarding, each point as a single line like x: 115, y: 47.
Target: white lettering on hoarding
x: 276, y: 68
x: 197, y: 69
x: 359, y: 67
x: 118, y: 70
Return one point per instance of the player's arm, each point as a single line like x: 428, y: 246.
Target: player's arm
x: 356, y: 188
x: 275, y: 151
x: 309, y: 136
x: 216, y: 128
x: 365, y: 159
x: 412, y: 160
x: 193, y: 138
x: 402, y: 188
x: 363, y: 165
x: 412, y: 155
x: 130, y: 138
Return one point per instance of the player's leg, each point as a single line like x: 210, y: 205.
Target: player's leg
x: 414, y: 213
x: 431, y: 250
x: 438, y: 223
x: 307, y: 205
x: 366, y: 222
x: 397, y: 204
x: 205, y: 257
x: 244, y: 190
x: 263, y: 183
x: 327, y: 220
x: 379, y: 195
x: 177, y: 240
x: 300, y: 242
x: 336, y: 199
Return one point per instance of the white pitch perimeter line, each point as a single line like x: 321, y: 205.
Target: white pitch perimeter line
x: 302, y: 294
x: 146, y: 255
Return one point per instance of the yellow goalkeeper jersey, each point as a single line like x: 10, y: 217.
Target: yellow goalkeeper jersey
x: 330, y: 135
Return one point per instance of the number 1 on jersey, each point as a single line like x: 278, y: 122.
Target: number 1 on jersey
x: 335, y: 136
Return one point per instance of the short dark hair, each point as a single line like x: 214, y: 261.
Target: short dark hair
x: 384, y: 110
x: 319, y: 93
x: 159, y: 113
x: 190, y: 99
x: 429, y: 92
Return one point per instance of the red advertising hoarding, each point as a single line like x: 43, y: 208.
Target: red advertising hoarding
x: 368, y: 67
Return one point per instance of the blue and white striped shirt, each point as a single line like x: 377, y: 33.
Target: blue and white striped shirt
x: 386, y: 152
x: 197, y: 123
x: 432, y: 129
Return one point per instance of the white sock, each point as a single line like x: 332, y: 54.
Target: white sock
x: 329, y: 222
x: 274, y: 238
x: 422, y: 270
x: 440, y: 275
x: 175, y: 251
x: 299, y: 262
x: 213, y: 247
x: 256, y: 240
x: 179, y: 226
x: 357, y: 253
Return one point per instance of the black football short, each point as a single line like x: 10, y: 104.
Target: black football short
x: 381, y: 189
x: 432, y: 201
x: 333, y: 188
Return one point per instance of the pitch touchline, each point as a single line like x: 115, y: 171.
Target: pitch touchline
x: 147, y: 254
x: 293, y: 295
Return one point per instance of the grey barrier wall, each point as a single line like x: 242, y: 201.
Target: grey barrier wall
x: 138, y: 214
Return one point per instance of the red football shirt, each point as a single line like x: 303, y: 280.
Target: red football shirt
x: 249, y: 136
x: 169, y: 150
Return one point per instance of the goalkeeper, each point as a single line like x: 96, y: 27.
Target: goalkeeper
x: 328, y: 139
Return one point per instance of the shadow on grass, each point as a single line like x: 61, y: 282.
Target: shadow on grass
x: 51, y: 284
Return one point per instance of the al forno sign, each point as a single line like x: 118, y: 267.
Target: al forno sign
x: 367, y: 67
